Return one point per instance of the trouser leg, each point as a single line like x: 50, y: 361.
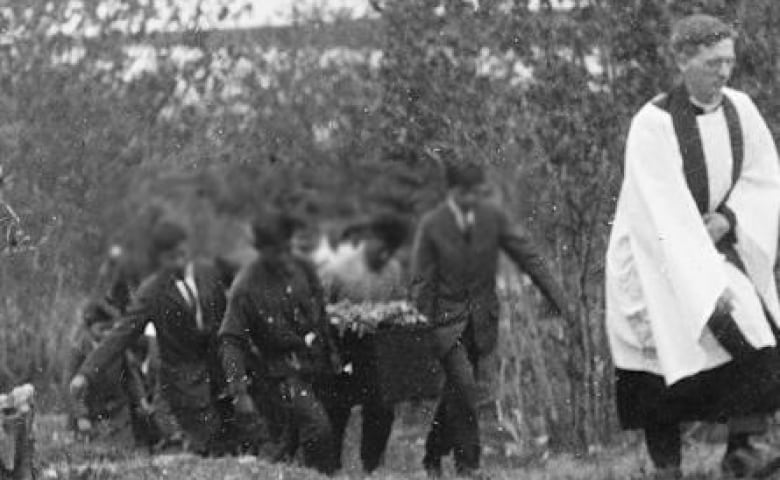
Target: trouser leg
x: 314, y: 428
x: 144, y: 429
x: 664, y: 445
x: 462, y: 408
x: 200, y: 426
x: 339, y: 410
x: 377, y: 425
x: 438, y: 442
x: 455, y: 425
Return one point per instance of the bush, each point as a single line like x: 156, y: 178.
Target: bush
x: 541, y: 96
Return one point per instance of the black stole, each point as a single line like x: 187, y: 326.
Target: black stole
x: 683, y: 112
x: 677, y: 102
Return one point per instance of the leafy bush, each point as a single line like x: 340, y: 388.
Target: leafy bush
x: 541, y: 96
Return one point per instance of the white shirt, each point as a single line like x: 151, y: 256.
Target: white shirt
x: 463, y: 219
x: 189, y: 278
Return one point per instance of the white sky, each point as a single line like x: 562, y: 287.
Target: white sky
x: 260, y: 13
x: 278, y: 12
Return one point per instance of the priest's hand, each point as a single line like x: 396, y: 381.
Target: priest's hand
x: 724, y: 305
x: 717, y: 225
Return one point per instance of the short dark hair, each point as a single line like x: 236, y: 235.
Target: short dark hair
x: 391, y: 229
x: 691, y: 32
x: 464, y: 174
x: 273, y: 228
x: 167, y: 235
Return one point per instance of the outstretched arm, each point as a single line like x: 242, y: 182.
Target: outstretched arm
x: 519, y: 246
x: 127, y: 330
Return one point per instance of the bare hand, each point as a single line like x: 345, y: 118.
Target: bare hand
x: 244, y: 406
x: 292, y: 360
x: 78, y: 385
x: 724, y: 305
x: 83, y: 424
x: 717, y: 225
x: 146, y: 406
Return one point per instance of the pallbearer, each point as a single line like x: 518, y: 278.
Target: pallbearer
x: 692, y: 308
x: 276, y: 312
x: 454, y: 285
x: 369, y: 274
x: 185, y: 301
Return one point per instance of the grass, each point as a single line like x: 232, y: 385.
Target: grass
x: 60, y: 456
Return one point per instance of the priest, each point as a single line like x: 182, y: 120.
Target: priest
x: 692, y: 307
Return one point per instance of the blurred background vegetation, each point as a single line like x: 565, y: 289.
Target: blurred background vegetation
x: 337, y: 119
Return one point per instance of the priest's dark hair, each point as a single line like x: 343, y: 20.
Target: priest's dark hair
x: 694, y: 31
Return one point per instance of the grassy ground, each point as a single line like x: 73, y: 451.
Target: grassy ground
x: 59, y: 456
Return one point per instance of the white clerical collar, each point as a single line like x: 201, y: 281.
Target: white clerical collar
x: 463, y: 219
x: 707, y: 107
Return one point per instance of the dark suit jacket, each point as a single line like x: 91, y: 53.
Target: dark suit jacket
x: 188, y: 361
x: 454, y: 279
x: 273, y: 305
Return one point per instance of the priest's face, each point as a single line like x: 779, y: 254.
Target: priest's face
x: 706, y: 71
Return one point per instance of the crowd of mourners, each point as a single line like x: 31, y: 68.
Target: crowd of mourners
x: 246, y: 359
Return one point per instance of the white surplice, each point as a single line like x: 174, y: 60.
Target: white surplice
x: 663, y: 273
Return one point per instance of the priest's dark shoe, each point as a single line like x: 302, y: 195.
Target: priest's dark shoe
x: 750, y: 462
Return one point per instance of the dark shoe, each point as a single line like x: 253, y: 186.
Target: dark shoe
x: 432, y: 467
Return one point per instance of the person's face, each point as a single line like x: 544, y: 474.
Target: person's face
x: 304, y: 241
x: 708, y: 70
x: 468, y: 197
x: 376, y: 252
x: 175, y: 259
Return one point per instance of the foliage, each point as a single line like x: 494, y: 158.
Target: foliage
x: 554, y: 139
x: 98, y: 149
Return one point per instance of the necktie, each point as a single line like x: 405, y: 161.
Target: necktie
x: 192, y: 301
